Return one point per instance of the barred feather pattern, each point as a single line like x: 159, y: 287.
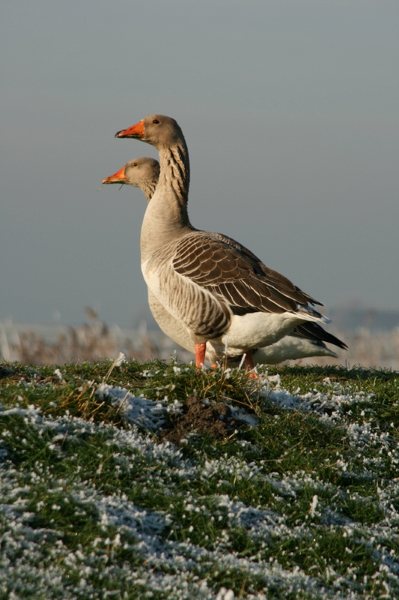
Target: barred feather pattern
x: 305, y: 340
x: 148, y: 188
x: 206, y: 314
x: 230, y: 271
x: 208, y: 281
x: 205, y: 278
x: 175, y: 170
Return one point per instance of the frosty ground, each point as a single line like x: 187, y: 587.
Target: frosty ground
x: 131, y: 480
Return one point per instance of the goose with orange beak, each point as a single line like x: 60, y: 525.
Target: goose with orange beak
x: 220, y: 293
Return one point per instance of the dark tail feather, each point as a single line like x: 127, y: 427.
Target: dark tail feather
x: 316, y: 332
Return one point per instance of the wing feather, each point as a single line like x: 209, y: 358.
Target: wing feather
x: 231, y: 271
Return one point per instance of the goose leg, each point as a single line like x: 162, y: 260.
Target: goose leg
x: 200, y: 354
x: 248, y: 361
x: 249, y: 365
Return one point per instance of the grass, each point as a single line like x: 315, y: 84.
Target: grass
x: 154, y: 480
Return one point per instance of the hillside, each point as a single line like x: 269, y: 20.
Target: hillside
x: 131, y: 480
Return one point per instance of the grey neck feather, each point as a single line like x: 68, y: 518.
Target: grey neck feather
x: 148, y: 188
x: 175, y: 171
x: 166, y: 217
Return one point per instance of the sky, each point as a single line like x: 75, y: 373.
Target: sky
x: 291, y: 115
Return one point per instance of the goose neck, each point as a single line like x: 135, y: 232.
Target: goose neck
x: 148, y: 189
x: 166, y: 217
x: 175, y: 171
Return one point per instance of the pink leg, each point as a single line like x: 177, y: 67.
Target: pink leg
x: 249, y: 365
x: 200, y: 354
x: 248, y: 361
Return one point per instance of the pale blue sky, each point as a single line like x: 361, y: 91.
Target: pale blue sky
x: 290, y: 109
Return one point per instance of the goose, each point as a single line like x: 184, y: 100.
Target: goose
x: 143, y: 172
x: 217, y: 288
x: 305, y: 341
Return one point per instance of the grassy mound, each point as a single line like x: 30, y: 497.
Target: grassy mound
x: 158, y: 481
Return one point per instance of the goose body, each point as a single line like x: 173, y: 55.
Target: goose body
x: 305, y: 341
x: 171, y: 275
x: 220, y: 292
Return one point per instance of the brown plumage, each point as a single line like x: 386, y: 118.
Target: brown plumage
x: 306, y: 340
x: 213, y: 285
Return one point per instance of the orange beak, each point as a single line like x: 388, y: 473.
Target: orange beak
x: 118, y: 177
x: 135, y: 131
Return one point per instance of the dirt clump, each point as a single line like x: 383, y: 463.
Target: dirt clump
x: 201, y: 416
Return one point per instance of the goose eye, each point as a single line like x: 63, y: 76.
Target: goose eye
x: 156, y: 121
x: 134, y: 164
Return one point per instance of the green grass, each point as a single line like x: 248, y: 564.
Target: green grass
x: 302, y: 503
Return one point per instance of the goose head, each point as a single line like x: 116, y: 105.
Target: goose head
x: 157, y: 130
x: 139, y: 172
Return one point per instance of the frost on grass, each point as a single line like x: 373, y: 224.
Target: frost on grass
x: 154, y: 415
x: 147, y: 414
x: 92, y: 510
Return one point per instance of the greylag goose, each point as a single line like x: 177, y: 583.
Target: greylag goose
x: 143, y: 172
x: 218, y: 289
x: 305, y: 341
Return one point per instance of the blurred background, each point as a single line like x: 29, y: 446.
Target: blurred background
x: 290, y: 112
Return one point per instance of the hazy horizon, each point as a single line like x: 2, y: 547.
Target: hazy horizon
x: 290, y: 112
